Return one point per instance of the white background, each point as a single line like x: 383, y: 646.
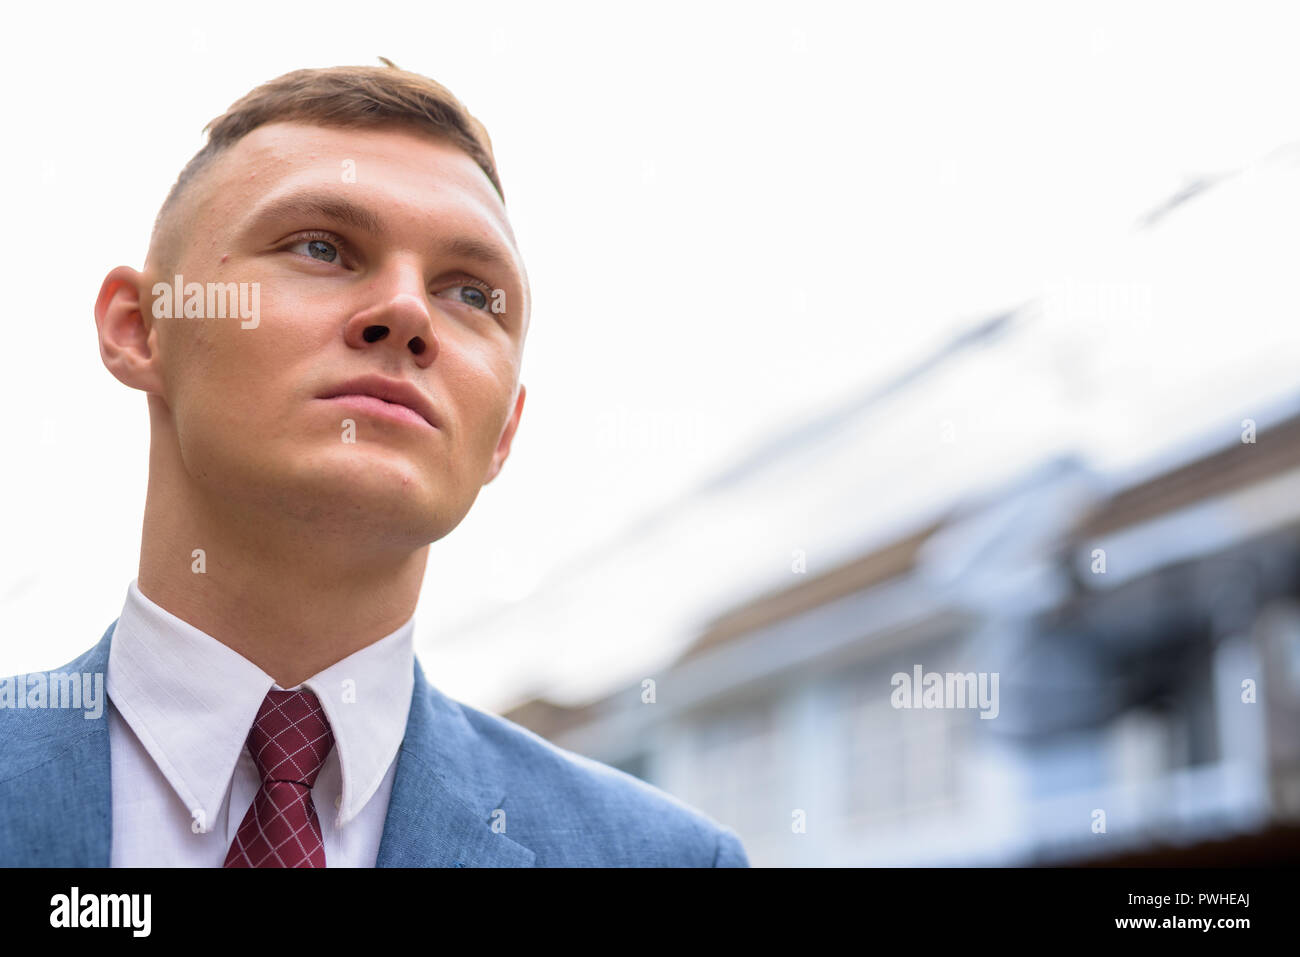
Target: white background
x: 733, y: 216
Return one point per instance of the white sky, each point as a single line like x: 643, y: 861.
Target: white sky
x: 733, y: 215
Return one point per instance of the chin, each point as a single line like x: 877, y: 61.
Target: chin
x: 366, y: 494
x: 379, y: 486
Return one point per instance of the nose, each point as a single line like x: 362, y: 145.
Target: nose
x: 399, y: 320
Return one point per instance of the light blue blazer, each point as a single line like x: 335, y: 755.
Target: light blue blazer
x: 457, y: 769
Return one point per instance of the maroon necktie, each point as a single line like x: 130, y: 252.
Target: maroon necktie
x: 289, y: 741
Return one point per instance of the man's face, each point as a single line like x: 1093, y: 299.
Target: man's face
x: 378, y: 254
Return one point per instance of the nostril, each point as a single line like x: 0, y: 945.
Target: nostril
x: 374, y: 333
x: 416, y: 345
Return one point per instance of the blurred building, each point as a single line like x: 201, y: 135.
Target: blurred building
x: 1093, y: 497
x: 1147, y: 642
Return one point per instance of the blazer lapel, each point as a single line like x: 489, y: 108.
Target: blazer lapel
x: 56, y: 784
x: 441, y: 810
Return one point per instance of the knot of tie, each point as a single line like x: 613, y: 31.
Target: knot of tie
x: 289, y: 742
x: 290, y: 738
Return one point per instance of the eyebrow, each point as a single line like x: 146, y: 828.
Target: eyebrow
x: 341, y: 210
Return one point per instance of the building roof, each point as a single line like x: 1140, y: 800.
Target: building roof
x: 1275, y: 449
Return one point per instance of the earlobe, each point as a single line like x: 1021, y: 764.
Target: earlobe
x: 123, y: 332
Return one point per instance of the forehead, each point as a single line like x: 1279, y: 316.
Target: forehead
x: 412, y: 170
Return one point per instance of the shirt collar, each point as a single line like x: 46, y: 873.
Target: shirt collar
x: 191, y: 701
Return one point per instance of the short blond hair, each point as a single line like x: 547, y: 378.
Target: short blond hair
x: 347, y: 97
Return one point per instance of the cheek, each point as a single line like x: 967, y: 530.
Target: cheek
x: 482, y: 392
x: 221, y: 378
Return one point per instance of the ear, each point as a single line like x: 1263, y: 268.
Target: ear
x: 507, y: 435
x: 125, y: 341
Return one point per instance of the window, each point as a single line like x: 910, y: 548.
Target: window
x: 901, y: 764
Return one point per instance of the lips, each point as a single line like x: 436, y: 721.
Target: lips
x: 397, y: 392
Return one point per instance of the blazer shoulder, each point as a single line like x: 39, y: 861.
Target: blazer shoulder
x: 44, y: 714
x: 576, y: 811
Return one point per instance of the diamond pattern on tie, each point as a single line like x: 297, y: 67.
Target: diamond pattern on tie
x: 289, y: 742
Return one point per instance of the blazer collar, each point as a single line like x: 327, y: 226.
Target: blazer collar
x: 445, y: 794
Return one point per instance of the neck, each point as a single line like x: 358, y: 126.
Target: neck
x: 291, y: 595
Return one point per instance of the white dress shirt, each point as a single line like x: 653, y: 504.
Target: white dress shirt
x: 180, y: 708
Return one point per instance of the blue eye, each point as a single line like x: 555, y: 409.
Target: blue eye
x: 470, y: 295
x: 320, y: 250
x: 473, y: 296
